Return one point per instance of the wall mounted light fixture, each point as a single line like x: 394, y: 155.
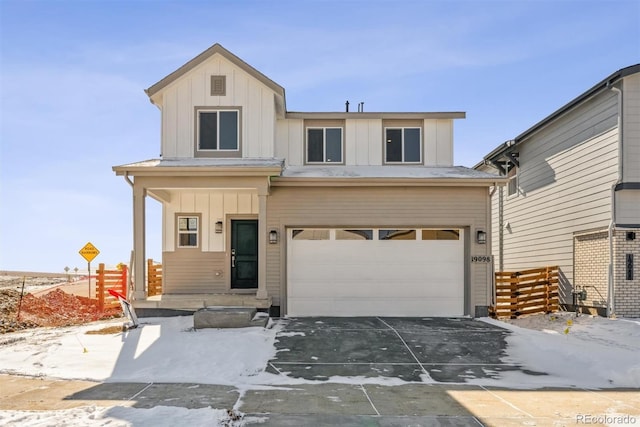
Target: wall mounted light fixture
x: 273, y: 237
x: 219, y: 227
x: 481, y: 237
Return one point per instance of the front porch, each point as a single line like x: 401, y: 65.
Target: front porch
x: 193, y: 302
x: 214, y: 233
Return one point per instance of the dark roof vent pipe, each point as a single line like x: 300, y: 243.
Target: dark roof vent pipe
x: 346, y: 106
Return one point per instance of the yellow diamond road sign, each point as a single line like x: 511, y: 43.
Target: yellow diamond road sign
x: 89, y: 252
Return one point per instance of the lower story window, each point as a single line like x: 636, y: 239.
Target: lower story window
x: 188, y: 227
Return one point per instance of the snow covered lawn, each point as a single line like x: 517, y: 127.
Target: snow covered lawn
x: 583, y: 352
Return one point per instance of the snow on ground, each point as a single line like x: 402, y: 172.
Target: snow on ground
x: 118, y: 416
x: 583, y: 351
x: 575, y: 351
x: 160, y: 350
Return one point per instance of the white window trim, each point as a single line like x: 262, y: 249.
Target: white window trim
x: 200, y: 110
x: 403, y: 162
x: 196, y: 232
x: 324, y: 145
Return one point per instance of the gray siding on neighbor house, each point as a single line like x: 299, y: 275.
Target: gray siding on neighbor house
x: 378, y: 206
x: 628, y: 201
x: 564, y: 180
x: 631, y: 128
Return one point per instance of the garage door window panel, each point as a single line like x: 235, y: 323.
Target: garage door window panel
x: 309, y: 234
x: 396, y: 234
x: 440, y: 234
x: 354, y: 234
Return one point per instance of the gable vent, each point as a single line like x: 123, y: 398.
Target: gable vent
x: 218, y: 85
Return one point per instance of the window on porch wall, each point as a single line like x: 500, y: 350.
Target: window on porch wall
x: 188, y: 231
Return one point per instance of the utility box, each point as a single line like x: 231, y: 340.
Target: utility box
x: 581, y: 295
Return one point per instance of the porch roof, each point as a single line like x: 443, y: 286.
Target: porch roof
x: 452, y: 175
x: 203, y: 166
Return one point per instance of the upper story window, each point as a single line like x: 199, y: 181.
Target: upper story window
x: 324, y: 145
x: 403, y: 145
x: 218, y: 132
x: 512, y: 185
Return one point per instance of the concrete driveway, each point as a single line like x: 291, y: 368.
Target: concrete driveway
x: 412, y: 349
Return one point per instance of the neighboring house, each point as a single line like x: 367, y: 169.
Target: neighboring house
x: 318, y: 213
x: 573, y: 196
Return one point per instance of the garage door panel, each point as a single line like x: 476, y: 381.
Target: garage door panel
x: 373, y: 307
x: 375, y: 277
x: 358, y: 290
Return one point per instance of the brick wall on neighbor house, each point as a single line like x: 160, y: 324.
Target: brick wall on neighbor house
x: 591, y: 267
x: 627, y: 300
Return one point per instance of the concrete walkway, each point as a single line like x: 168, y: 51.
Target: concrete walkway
x: 330, y: 404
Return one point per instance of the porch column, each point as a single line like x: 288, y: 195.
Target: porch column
x: 262, y: 246
x: 139, y: 265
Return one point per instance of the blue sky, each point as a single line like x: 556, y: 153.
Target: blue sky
x: 72, y: 75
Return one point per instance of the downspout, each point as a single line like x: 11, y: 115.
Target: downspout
x: 611, y: 282
x: 126, y: 178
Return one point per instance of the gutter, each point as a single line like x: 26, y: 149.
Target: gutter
x: 284, y: 181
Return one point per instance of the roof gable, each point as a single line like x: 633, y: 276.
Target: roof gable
x: 216, y: 49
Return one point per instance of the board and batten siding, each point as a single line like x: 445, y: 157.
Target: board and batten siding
x: 370, y: 207
x: 242, y: 90
x: 363, y: 141
x: 213, y: 206
x: 564, y: 184
x: 202, y: 269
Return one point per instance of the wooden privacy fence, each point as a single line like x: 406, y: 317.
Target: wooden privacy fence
x: 110, y: 279
x: 154, y: 278
x: 526, y: 292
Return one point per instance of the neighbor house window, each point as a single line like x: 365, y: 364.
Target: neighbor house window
x: 512, y: 185
x: 324, y: 145
x: 217, y: 132
x: 403, y: 145
x: 188, y: 227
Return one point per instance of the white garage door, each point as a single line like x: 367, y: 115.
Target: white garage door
x: 375, y: 272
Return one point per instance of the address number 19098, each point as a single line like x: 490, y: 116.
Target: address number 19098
x: 481, y: 258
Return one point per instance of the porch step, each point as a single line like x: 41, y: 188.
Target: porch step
x: 228, y: 317
x: 194, y: 302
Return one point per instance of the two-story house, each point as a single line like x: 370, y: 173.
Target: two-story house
x: 316, y: 213
x: 573, y: 197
